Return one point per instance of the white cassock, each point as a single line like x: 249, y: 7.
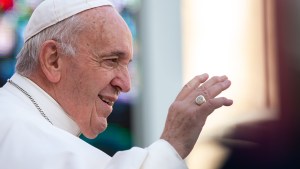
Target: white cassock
x: 29, y: 141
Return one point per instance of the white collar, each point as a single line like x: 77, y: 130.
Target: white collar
x: 51, y: 108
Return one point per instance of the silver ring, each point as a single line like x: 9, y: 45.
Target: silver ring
x: 200, y: 100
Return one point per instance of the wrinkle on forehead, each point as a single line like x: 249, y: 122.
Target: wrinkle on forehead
x: 105, y: 31
x: 101, y: 21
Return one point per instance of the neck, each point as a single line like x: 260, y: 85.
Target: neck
x: 48, y: 104
x: 41, y: 80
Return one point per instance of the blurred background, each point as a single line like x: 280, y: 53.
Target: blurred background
x: 253, y: 42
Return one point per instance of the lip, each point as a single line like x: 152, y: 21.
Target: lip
x: 109, y: 100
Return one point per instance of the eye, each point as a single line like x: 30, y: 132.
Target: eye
x: 110, y: 63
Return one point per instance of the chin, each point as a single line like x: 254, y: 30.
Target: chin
x: 90, y: 135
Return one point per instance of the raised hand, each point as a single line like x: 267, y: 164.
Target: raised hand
x: 186, y: 117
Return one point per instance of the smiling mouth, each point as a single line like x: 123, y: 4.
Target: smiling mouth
x: 107, y: 101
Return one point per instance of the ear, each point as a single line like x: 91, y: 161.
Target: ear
x: 50, y: 60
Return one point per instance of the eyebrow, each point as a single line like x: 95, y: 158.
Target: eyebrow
x: 117, y: 53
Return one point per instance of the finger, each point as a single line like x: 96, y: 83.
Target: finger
x: 214, y: 90
x: 212, y: 81
x: 215, y: 103
x: 191, y: 86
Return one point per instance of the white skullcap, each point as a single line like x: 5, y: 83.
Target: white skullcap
x: 50, y: 12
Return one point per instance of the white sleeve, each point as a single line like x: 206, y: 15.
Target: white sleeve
x: 159, y: 155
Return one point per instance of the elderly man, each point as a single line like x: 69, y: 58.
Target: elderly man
x: 72, y: 67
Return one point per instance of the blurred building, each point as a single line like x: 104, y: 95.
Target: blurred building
x: 256, y: 44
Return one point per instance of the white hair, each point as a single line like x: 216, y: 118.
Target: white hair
x: 64, y: 32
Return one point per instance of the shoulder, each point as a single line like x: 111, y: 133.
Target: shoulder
x: 27, y: 139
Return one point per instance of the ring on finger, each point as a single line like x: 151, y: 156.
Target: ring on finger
x: 200, y: 100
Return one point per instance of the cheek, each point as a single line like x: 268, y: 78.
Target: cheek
x: 80, y: 101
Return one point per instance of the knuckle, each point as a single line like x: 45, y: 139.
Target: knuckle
x: 215, y: 78
x: 213, y: 104
x: 222, y: 86
x: 187, y: 86
x: 200, y: 78
x: 210, y: 104
x: 204, y: 91
x: 173, y: 107
x: 201, y: 88
x: 176, y: 106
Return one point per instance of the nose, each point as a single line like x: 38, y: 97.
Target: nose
x: 122, y: 80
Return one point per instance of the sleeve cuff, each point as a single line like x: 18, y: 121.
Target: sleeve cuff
x: 162, y: 155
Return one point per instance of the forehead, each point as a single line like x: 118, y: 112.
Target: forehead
x: 105, y: 28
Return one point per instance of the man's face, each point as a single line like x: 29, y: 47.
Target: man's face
x: 93, y: 79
